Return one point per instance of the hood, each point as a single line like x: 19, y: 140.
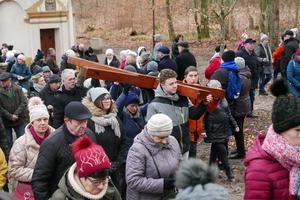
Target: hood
x: 140, y: 48
x: 214, y: 56
x: 245, y: 72
x: 256, y: 152
x: 229, y: 65
x: 157, y: 38
x: 160, y: 93
x: 87, y: 53
x: 64, y: 57
x: 294, y: 57
x: 94, y: 109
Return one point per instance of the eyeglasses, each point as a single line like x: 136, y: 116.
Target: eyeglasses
x: 106, y: 99
x: 96, y: 183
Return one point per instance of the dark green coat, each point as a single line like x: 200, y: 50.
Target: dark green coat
x: 9, y: 106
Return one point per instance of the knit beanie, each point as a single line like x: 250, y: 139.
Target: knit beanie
x: 94, y: 93
x: 36, y: 69
x: 160, y: 125
x: 54, y: 78
x: 131, y: 98
x: 129, y: 68
x: 46, y: 69
x: 228, y: 56
x: 90, y: 50
x: 21, y: 57
x: 37, y: 109
x: 124, y: 53
x: 240, y: 62
x: 152, y: 66
x: 89, y: 157
x: 70, y: 53
x: 263, y: 37
x: 145, y: 55
x: 109, y: 52
x: 286, y: 107
x: 40, y: 53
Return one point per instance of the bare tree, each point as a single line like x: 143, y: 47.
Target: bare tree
x: 250, y: 18
x: 273, y: 23
x: 81, y: 4
x: 170, y: 22
x: 196, y: 6
x: 297, y: 13
x: 204, y: 19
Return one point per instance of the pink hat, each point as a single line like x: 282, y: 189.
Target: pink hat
x: 22, y: 57
x: 37, y: 109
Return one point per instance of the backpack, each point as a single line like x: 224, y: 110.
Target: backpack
x: 234, y: 85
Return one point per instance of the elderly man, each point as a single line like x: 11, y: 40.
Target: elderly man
x: 184, y: 59
x: 12, y: 103
x: 165, y: 61
x: 51, y: 63
x: 67, y: 93
x: 55, y: 155
x: 80, y: 51
x: 131, y: 60
x: 247, y: 52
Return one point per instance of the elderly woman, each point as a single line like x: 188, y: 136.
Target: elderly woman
x: 20, y: 72
x: 38, y: 84
x: 108, y: 128
x: 25, y: 150
x: 273, y: 161
x: 87, y: 180
x: 153, y: 160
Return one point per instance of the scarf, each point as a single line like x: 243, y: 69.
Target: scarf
x: 107, y: 120
x: 37, y: 87
x: 132, y: 116
x: 287, y: 155
x: 229, y: 65
x: 267, y: 51
x: 38, y: 139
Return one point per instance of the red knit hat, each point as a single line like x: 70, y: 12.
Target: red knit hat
x: 89, y: 157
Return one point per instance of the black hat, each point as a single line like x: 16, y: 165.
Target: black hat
x: 183, y: 44
x: 10, y: 47
x: 289, y: 32
x: 36, y: 69
x: 54, y: 78
x: 76, y: 110
x: 218, y: 48
x: 228, y: 56
x: 286, y: 107
x: 90, y: 50
x: 40, y: 53
x: 4, y: 76
x: 5, y: 45
x: 249, y: 40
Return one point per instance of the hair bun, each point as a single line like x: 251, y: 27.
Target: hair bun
x: 279, y: 87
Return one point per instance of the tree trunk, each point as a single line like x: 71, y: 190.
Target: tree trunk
x: 297, y: 13
x: 226, y: 24
x: 196, y: 21
x: 171, y: 31
x: 81, y: 3
x: 204, y: 20
x: 250, y: 18
x: 273, y: 24
x: 263, y: 24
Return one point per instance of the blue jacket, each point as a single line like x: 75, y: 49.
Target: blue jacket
x: 293, y: 75
x: 167, y: 63
x: 17, y: 69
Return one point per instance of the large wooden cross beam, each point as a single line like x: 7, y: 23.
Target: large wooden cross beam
x: 100, y: 71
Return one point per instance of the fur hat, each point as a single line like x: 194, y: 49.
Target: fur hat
x: 37, y: 109
x: 131, y: 98
x: 263, y: 37
x: 228, y: 56
x: 40, y: 53
x: 240, y: 62
x: 21, y: 57
x: 152, y: 66
x: 109, y: 52
x: 160, y: 125
x: 129, y: 68
x: 145, y: 55
x: 286, y: 107
x: 89, y: 156
x: 94, y: 93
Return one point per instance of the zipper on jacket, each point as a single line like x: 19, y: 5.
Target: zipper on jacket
x: 181, y: 114
x: 166, y: 161
x: 180, y: 131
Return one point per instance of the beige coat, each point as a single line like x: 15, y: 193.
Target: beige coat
x: 22, y: 158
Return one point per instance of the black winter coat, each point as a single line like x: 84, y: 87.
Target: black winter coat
x: 167, y: 63
x: 48, y: 96
x: 65, y: 65
x: 175, y: 51
x: 252, y: 62
x: 38, y: 61
x: 9, y: 66
x: 215, y: 124
x: 114, y: 63
x: 63, y: 98
x: 91, y: 58
x: 291, y: 47
x: 55, y: 157
x: 184, y: 60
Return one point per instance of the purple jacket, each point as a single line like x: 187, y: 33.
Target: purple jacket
x: 142, y: 178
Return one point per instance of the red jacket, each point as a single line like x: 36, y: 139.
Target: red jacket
x: 277, y: 54
x: 213, y: 66
x: 122, y: 65
x: 265, y: 178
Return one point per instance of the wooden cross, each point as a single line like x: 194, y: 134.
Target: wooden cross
x: 95, y: 70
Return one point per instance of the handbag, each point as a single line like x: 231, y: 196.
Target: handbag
x: 24, y: 191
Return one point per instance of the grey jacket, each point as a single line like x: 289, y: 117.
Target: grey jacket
x: 264, y: 53
x: 156, y: 47
x: 142, y: 177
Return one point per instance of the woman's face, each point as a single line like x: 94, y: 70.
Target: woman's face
x: 93, y: 185
x: 159, y: 140
x: 40, y: 126
x: 109, y: 56
x: 142, y: 51
x: 180, y: 38
x: 132, y: 107
x: 105, y: 103
x: 292, y: 136
x: 20, y: 61
x: 266, y: 41
x: 41, y: 81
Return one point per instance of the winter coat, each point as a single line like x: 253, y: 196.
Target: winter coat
x: 175, y: 51
x: 38, y: 61
x: 48, y: 96
x: 3, y: 169
x: 179, y: 109
x: 293, y: 75
x: 265, y: 177
x: 184, y: 60
x: 3, y: 140
x: 291, y: 47
x: 144, y: 65
x: 167, y: 63
x: 22, y: 158
x: 277, y: 54
x: 14, y: 106
x: 251, y: 61
x: 21, y: 70
x: 54, y: 158
x: 143, y: 181
x: 216, y: 122
x: 113, y: 146
x: 91, y: 58
x: 64, y: 63
x: 63, y: 98
x: 158, y: 44
x: 114, y: 62
x: 67, y: 190
x: 262, y: 52
x: 212, y: 67
x: 10, y: 63
x: 51, y: 63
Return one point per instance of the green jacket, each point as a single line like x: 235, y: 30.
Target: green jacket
x: 9, y: 106
x: 66, y: 191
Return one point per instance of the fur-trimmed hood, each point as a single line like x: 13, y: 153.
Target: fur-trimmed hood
x: 94, y: 109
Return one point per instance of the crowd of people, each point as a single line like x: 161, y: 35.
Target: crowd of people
x: 84, y: 138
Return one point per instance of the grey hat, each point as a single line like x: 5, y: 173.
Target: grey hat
x: 94, y: 93
x: 240, y: 62
x: 4, y: 76
x: 160, y: 125
x: 183, y: 44
x: 46, y: 69
x: 129, y: 68
x: 54, y: 78
x: 152, y: 66
x: 145, y: 55
x: 76, y: 110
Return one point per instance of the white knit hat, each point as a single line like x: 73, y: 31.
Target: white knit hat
x: 21, y: 57
x: 37, y: 109
x: 109, y: 52
x: 160, y: 125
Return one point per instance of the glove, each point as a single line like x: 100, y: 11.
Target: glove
x: 114, y: 166
x: 169, y: 183
x: 126, y: 89
x: 266, y: 60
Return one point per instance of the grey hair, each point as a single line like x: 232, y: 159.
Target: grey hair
x: 213, y: 83
x: 35, y: 78
x: 194, y: 172
x: 81, y: 45
x: 50, y: 50
x: 130, y: 58
x: 66, y: 72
